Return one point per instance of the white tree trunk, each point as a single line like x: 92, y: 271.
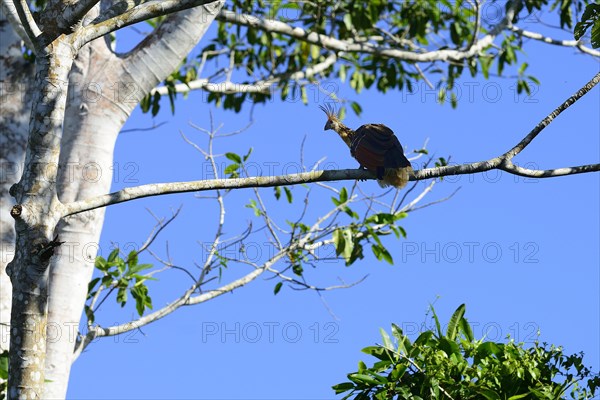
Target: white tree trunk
x: 15, y: 103
x: 36, y: 214
x: 101, y: 101
x: 92, y: 123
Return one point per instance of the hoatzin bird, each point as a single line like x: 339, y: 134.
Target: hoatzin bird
x: 375, y: 147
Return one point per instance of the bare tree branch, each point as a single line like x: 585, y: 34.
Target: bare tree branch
x: 546, y: 121
x: 155, y: 189
x: 333, y: 44
x: 75, y: 13
x: 27, y: 21
x: 9, y: 10
x: 262, y: 86
x: 546, y: 39
x: 503, y: 162
x: 139, y: 13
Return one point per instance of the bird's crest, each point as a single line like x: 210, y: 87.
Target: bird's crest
x: 331, y: 112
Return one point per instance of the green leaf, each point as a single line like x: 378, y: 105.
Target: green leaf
x: 437, y: 321
x: 101, y: 263
x: 382, y: 254
x: 356, y: 108
x: 485, y: 63
x: 596, y: 34
x: 232, y: 169
x: 254, y: 206
x: 450, y: 347
x: 519, y: 396
x: 113, y: 256
x: 303, y: 95
x: 348, y: 21
x: 277, y: 192
x: 248, y: 154
x: 145, y: 103
x: 523, y: 68
x: 343, y: 195
x: 349, y: 246
x: 277, y: 287
x: 487, y: 349
x: 456, y: 33
x: 138, y: 268
x: 466, y: 329
x: 107, y: 280
x: 297, y: 269
x: 454, y: 322
x: 122, y: 296
x: 589, y: 18
x: 489, y: 394
x: 121, y: 265
x: 156, y: 104
x: 234, y: 157
x: 93, y: 284
x: 142, y: 300
x: 342, y: 73
x: 4, y: 365
x: 378, y: 352
x: 339, y: 241
x: 362, y: 378
x: 397, y: 332
x: 288, y: 194
x: 343, y: 387
x: 132, y: 258
x: 387, y: 342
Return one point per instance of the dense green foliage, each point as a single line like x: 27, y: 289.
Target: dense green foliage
x: 454, y: 365
x: 590, y: 18
x: 242, y: 54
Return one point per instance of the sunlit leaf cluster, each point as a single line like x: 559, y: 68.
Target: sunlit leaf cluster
x: 455, y: 365
x: 123, y: 275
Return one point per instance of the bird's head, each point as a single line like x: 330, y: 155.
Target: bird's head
x: 332, y: 118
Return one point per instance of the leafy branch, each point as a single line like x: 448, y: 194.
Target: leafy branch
x: 455, y: 365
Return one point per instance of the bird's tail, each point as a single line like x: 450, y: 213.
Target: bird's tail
x: 396, y: 177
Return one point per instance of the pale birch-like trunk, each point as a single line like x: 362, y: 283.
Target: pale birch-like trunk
x: 102, y: 99
x: 36, y: 214
x: 15, y: 97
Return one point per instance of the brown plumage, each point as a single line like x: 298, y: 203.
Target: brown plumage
x: 376, y: 148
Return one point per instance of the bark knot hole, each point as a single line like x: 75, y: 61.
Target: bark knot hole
x: 16, y: 211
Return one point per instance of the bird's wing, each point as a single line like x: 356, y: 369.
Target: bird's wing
x: 376, y: 146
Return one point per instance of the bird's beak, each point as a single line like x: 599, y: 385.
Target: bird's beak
x: 327, y: 125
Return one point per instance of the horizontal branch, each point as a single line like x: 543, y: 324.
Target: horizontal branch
x: 334, y: 44
x: 548, y: 173
x: 262, y: 86
x: 157, y: 189
x: 503, y: 162
x: 556, y: 42
x: 142, y: 12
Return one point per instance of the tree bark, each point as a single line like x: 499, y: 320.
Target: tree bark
x: 104, y: 90
x: 15, y: 102
x: 36, y: 215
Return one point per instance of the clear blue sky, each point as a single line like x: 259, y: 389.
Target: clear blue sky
x: 522, y: 254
